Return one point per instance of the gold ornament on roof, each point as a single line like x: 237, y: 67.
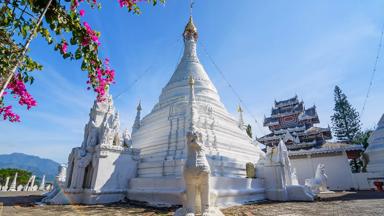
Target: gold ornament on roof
x: 190, y: 26
x: 190, y: 29
x: 191, y: 81
x: 239, y: 109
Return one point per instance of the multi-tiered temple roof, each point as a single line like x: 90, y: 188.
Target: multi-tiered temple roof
x: 291, y: 122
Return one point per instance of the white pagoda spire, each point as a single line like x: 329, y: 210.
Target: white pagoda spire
x: 136, y: 124
x: 14, y: 183
x: 5, y: 187
x: 42, y: 184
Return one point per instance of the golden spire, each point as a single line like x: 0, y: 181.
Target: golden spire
x: 239, y: 109
x: 190, y: 29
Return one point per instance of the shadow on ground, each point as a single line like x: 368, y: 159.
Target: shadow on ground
x: 352, y: 195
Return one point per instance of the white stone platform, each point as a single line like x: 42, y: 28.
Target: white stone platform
x: 88, y: 196
x: 169, y: 191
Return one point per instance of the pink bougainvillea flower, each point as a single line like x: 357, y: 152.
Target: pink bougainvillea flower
x: 8, y: 114
x: 128, y: 3
x: 18, y: 89
x: 82, y: 12
x: 91, y: 35
x: 64, y: 47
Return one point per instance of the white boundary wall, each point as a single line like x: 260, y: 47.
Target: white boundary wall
x: 337, y: 169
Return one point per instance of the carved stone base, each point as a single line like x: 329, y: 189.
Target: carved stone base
x: 211, y: 212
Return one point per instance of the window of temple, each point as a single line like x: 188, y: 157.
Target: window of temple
x: 88, y: 174
x: 69, y: 177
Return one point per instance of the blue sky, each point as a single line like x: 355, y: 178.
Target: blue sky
x: 267, y: 50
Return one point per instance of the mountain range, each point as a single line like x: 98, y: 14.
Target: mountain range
x: 38, y: 166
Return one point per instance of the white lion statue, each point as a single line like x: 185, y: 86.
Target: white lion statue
x: 196, y: 177
x: 319, y: 183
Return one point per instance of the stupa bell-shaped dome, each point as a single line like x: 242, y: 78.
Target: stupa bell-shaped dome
x: 189, y: 66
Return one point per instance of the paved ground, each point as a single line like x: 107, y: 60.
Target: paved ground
x: 340, y: 203
x: 364, y: 203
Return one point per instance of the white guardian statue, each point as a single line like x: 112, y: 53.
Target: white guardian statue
x: 319, y: 183
x: 280, y: 177
x: 196, y: 171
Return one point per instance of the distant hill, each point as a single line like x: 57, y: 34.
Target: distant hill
x: 38, y: 166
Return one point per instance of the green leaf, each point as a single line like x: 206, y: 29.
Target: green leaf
x: 78, y: 54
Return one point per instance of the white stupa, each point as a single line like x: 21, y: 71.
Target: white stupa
x: 161, y: 138
x: 375, y: 149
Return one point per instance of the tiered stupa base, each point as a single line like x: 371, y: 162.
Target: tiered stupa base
x: 169, y: 191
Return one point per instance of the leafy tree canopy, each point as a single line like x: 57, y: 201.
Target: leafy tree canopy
x: 22, y: 178
x: 345, y: 120
x: 362, y: 138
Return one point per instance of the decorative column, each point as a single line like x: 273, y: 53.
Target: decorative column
x: 191, y: 103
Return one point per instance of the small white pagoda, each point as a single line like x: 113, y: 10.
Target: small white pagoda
x: 99, y: 170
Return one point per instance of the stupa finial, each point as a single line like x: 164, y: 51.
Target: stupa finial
x: 191, y: 3
x: 139, y: 106
x: 137, y: 123
x: 239, y: 109
x: 190, y: 30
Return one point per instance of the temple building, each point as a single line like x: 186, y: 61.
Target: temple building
x: 310, y: 145
x: 291, y: 122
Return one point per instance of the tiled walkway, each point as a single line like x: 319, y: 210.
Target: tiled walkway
x: 348, y: 204
x: 341, y: 203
